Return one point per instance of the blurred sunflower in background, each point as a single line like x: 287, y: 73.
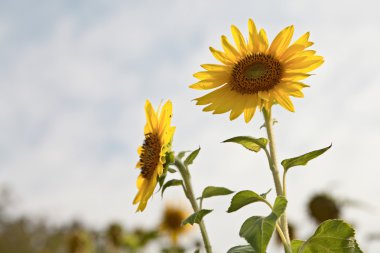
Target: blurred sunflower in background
x: 171, y: 222
x: 157, y: 143
x: 255, y: 74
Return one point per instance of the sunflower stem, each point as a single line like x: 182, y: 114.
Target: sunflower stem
x: 272, y: 159
x: 184, y: 171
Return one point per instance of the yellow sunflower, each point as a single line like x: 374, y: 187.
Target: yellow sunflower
x: 172, y: 222
x: 157, y: 143
x: 255, y: 74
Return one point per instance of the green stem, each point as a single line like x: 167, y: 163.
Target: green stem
x: 272, y: 159
x: 190, y: 195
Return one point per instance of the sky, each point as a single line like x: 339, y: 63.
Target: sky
x: 74, y: 77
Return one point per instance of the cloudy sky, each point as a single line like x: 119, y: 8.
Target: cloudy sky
x: 74, y: 76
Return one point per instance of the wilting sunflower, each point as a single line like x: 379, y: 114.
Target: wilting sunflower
x: 172, y: 222
x: 157, y: 143
x: 255, y: 74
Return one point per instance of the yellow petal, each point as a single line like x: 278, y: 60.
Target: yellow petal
x: 207, y: 84
x: 165, y: 116
x: 229, y: 49
x: 216, y: 67
x: 250, y: 108
x: 282, y: 41
x: 139, y: 164
x: 264, y: 95
x: 151, y: 118
x: 239, y: 39
x: 263, y: 41
x: 302, y: 64
x: 203, y: 75
x: 283, y: 100
x: 212, y: 96
x: 253, y: 42
x: 237, y: 110
x: 220, y: 56
x: 294, y: 76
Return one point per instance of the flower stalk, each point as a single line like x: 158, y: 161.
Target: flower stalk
x: 272, y: 159
x: 184, y: 171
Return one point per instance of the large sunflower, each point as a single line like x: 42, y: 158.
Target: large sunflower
x: 255, y: 74
x: 158, y: 137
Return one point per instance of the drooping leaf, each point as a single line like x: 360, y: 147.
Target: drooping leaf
x: 161, y: 180
x: 170, y: 183
x: 257, y: 230
x: 333, y: 236
x: 196, y: 217
x: 303, y: 159
x: 249, y: 143
x: 190, y: 158
x: 244, y: 198
x: 182, y: 154
x: 171, y: 170
x: 211, y: 191
x: 242, y: 249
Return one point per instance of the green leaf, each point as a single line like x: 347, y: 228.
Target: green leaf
x: 173, y: 182
x: 258, y: 230
x: 333, y: 236
x: 196, y: 217
x: 211, y: 191
x: 242, y: 249
x: 161, y: 180
x: 171, y: 170
x: 264, y: 195
x: 197, y: 251
x: 303, y: 159
x: 182, y: 154
x: 244, y: 198
x: 190, y: 158
x: 249, y: 143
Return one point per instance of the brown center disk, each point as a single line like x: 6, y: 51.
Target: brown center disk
x: 173, y: 219
x: 150, y: 155
x: 256, y: 72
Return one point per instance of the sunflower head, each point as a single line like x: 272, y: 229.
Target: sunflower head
x: 157, y: 143
x: 172, y: 222
x: 254, y: 74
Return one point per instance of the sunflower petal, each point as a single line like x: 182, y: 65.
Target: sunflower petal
x: 253, y: 42
x: 263, y: 41
x: 229, y: 49
x: 283, y: 100
x: 151, y: 118
x: 282, y: 41
x: 216, y: 67
x: 207, y: 84
x: 250, y: 108
x: 239, y: 39
x: 220, y: 56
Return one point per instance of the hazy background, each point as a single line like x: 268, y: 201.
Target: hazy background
x: 74, y: 76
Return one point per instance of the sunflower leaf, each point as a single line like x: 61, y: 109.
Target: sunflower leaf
x: 182, y: 154
x: 190, y: 158
x: 335, y: 236
x: 244, y: 198
x: 171, y: 170
x: 249, y: 143
x: 303, y: 159
x: 170, y: 183
x: 196, y: 217
x: 257, y: 230
x: 212, y: 191
x: 242, y: 249
x: 197, y: 251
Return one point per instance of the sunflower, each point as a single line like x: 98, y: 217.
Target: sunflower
x: 157, y: 143
x: 172, y: 222
x: 255, y: 74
